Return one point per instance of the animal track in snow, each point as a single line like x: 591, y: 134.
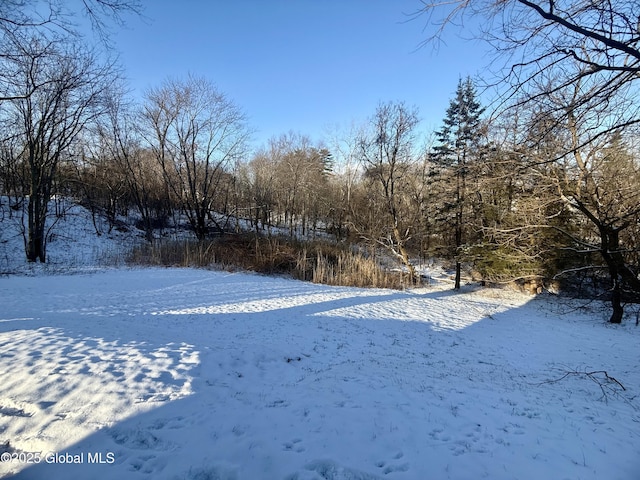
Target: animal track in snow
x: 294, y: 446
x: 393, y: 466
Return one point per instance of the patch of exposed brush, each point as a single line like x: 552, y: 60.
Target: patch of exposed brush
x: 316, y: 261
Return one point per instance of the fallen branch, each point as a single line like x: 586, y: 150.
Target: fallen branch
x: 607, y: 384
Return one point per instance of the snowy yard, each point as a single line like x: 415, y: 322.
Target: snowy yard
x: 194, y: 374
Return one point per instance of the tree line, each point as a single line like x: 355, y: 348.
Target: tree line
x: 542, y: 189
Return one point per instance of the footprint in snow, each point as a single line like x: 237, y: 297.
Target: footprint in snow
x: 294, y: 446
x: 460, y: 447
x: 330, y: 470
x: 140, y: 439
x: 217, y: 472
x: 438, y: 434
x: 473, y: 440
x: 143, y: 464
x: 394, y: 465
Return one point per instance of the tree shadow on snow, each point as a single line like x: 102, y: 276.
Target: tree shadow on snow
x: 298, y: 390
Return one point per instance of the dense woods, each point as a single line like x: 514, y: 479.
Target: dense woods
x: 543, y: 190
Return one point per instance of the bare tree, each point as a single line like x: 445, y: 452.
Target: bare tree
x: 130, y: 174
x: 522, y: 214
x: 13, y: 173
x: 119, y: 137
x: 289, y: 182
x: 20, y: 19
x: 590, y: 186
x: 602, y: 184
x: 195, y: 132
x: 64, y: 87
x: 386, y: 150
x: 50, y: 88
x: 346, y: 175
x: 51, y: 22
x: 577, y: 63
x: 99, y: 183
x: 261, y: 187
x: 594, y: 43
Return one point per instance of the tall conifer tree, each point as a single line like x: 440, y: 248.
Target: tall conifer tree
x: 459, y: 147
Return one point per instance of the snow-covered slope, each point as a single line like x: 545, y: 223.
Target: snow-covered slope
x: 73, y: 242
x: 193, y: 374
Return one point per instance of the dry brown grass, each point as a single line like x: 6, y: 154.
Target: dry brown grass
x: 318, y: 262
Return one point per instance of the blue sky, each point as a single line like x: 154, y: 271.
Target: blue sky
x: 301, y: 65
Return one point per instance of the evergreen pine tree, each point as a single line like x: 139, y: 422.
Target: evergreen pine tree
x: 459, y: 147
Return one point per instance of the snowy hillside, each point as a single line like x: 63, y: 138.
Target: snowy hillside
x: 192, y: 374
x: 72, y: 241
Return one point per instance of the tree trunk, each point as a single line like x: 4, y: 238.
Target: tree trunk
x: 618, y: 270
x: 460, y: 198
x: 616, y: 303
x: 36, y: 245
x: 458, y: 245
x: 405, y: 255
x: 200, y: 227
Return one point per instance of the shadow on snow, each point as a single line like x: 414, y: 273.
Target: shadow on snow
x: 284, y: 384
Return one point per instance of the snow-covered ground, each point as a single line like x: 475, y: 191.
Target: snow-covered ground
x: 197, y: 374
x: 72, y: 242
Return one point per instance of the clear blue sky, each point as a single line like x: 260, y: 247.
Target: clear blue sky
x: 299, y: 65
